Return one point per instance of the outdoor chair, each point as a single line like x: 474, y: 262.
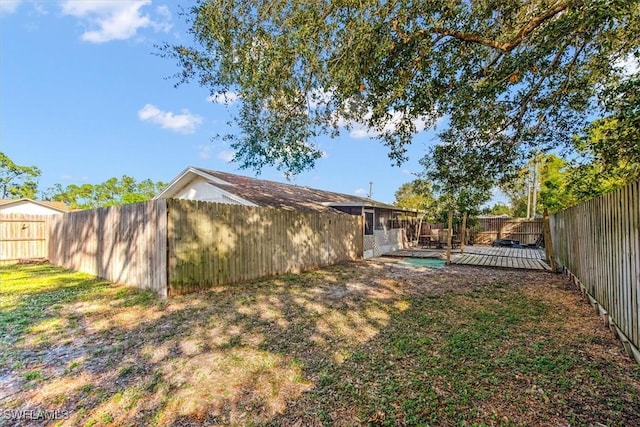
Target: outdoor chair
x: 443, y: 237
x: 433, y: 238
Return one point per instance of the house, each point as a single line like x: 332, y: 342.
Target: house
x: 384, y: 224
x: 31, y: 207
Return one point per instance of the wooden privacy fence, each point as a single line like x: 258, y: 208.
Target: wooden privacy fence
x: 214, y: 244
x: 179, y: 246
x: 23, y: 237
x: 487, y: 230
x: 123, y: 244
x: 598, y: 243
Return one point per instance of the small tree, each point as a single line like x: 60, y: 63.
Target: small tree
x: 499, y: 209
x: 464, y: 180
x: 419, y: 195
x: 555, y: 183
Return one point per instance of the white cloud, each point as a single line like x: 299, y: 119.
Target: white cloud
x: 319, y: 97
x: 70, y: 177
x: 361, y: 192
x: 115, y: 20
x: 205, y: 151
x: 226, y: 155
x: 227, y: 98
x: 629, y: 65
x: 38, y: 9
x: 358, y: 130
x: 362, y: 131
x: 183, y: 123
x: 163, y: 25
x: 9, y: 6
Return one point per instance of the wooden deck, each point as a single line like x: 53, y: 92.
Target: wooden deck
x: 529, y: 259
x: 506, y: 252
x: 485, y: 256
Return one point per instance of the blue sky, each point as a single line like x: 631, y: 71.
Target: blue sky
x: 84, y: 98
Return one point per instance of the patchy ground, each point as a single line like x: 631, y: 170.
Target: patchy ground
x: 356, y: 344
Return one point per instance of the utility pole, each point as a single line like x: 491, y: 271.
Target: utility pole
x: 532, y: 188
x: 370, y: 189
x: 534, y: 202
x: 529, y: 195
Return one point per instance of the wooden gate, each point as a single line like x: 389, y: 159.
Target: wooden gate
x: 23, y: 237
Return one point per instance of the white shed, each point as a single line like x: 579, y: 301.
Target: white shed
x: 32, y: 207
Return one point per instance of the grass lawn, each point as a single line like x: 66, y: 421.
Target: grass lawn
x: 364, y: 343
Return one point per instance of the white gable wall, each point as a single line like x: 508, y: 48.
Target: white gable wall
x: 200, y: 189
x: 29, y: 208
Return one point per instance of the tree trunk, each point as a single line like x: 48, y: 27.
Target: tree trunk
x: 463, y: 232
x: 534, y: 201
x: 449, y: 233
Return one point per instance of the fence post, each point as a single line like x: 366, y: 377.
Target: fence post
x: 548, y: 246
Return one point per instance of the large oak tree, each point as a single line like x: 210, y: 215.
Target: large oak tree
x: 511, y: 76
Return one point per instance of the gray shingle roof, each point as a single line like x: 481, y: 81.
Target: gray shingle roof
x: 287, y: 196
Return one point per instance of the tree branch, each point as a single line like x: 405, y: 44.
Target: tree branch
x: 507, y: 46
x: 524, y: 103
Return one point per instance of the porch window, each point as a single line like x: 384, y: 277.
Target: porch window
x: 381, y: 220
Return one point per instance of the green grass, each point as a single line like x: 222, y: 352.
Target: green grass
x: 32, y: 293
x: 350, y: 345
x: 33, y: 375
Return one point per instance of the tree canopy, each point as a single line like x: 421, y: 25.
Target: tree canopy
x: 610, y: 149
x: 511, y: 76
x: 419, y: 195
x: 112, y: 192
x: 553, y: 185
x: 17, y: 181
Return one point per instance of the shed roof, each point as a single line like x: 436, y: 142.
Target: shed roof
x: 59, y: 206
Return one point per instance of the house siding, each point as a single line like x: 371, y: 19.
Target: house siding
x: 201, y: 189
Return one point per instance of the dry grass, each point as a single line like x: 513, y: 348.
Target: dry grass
x: 362, y: 343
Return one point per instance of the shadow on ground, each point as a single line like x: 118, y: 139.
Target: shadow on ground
x: 360, y: 343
